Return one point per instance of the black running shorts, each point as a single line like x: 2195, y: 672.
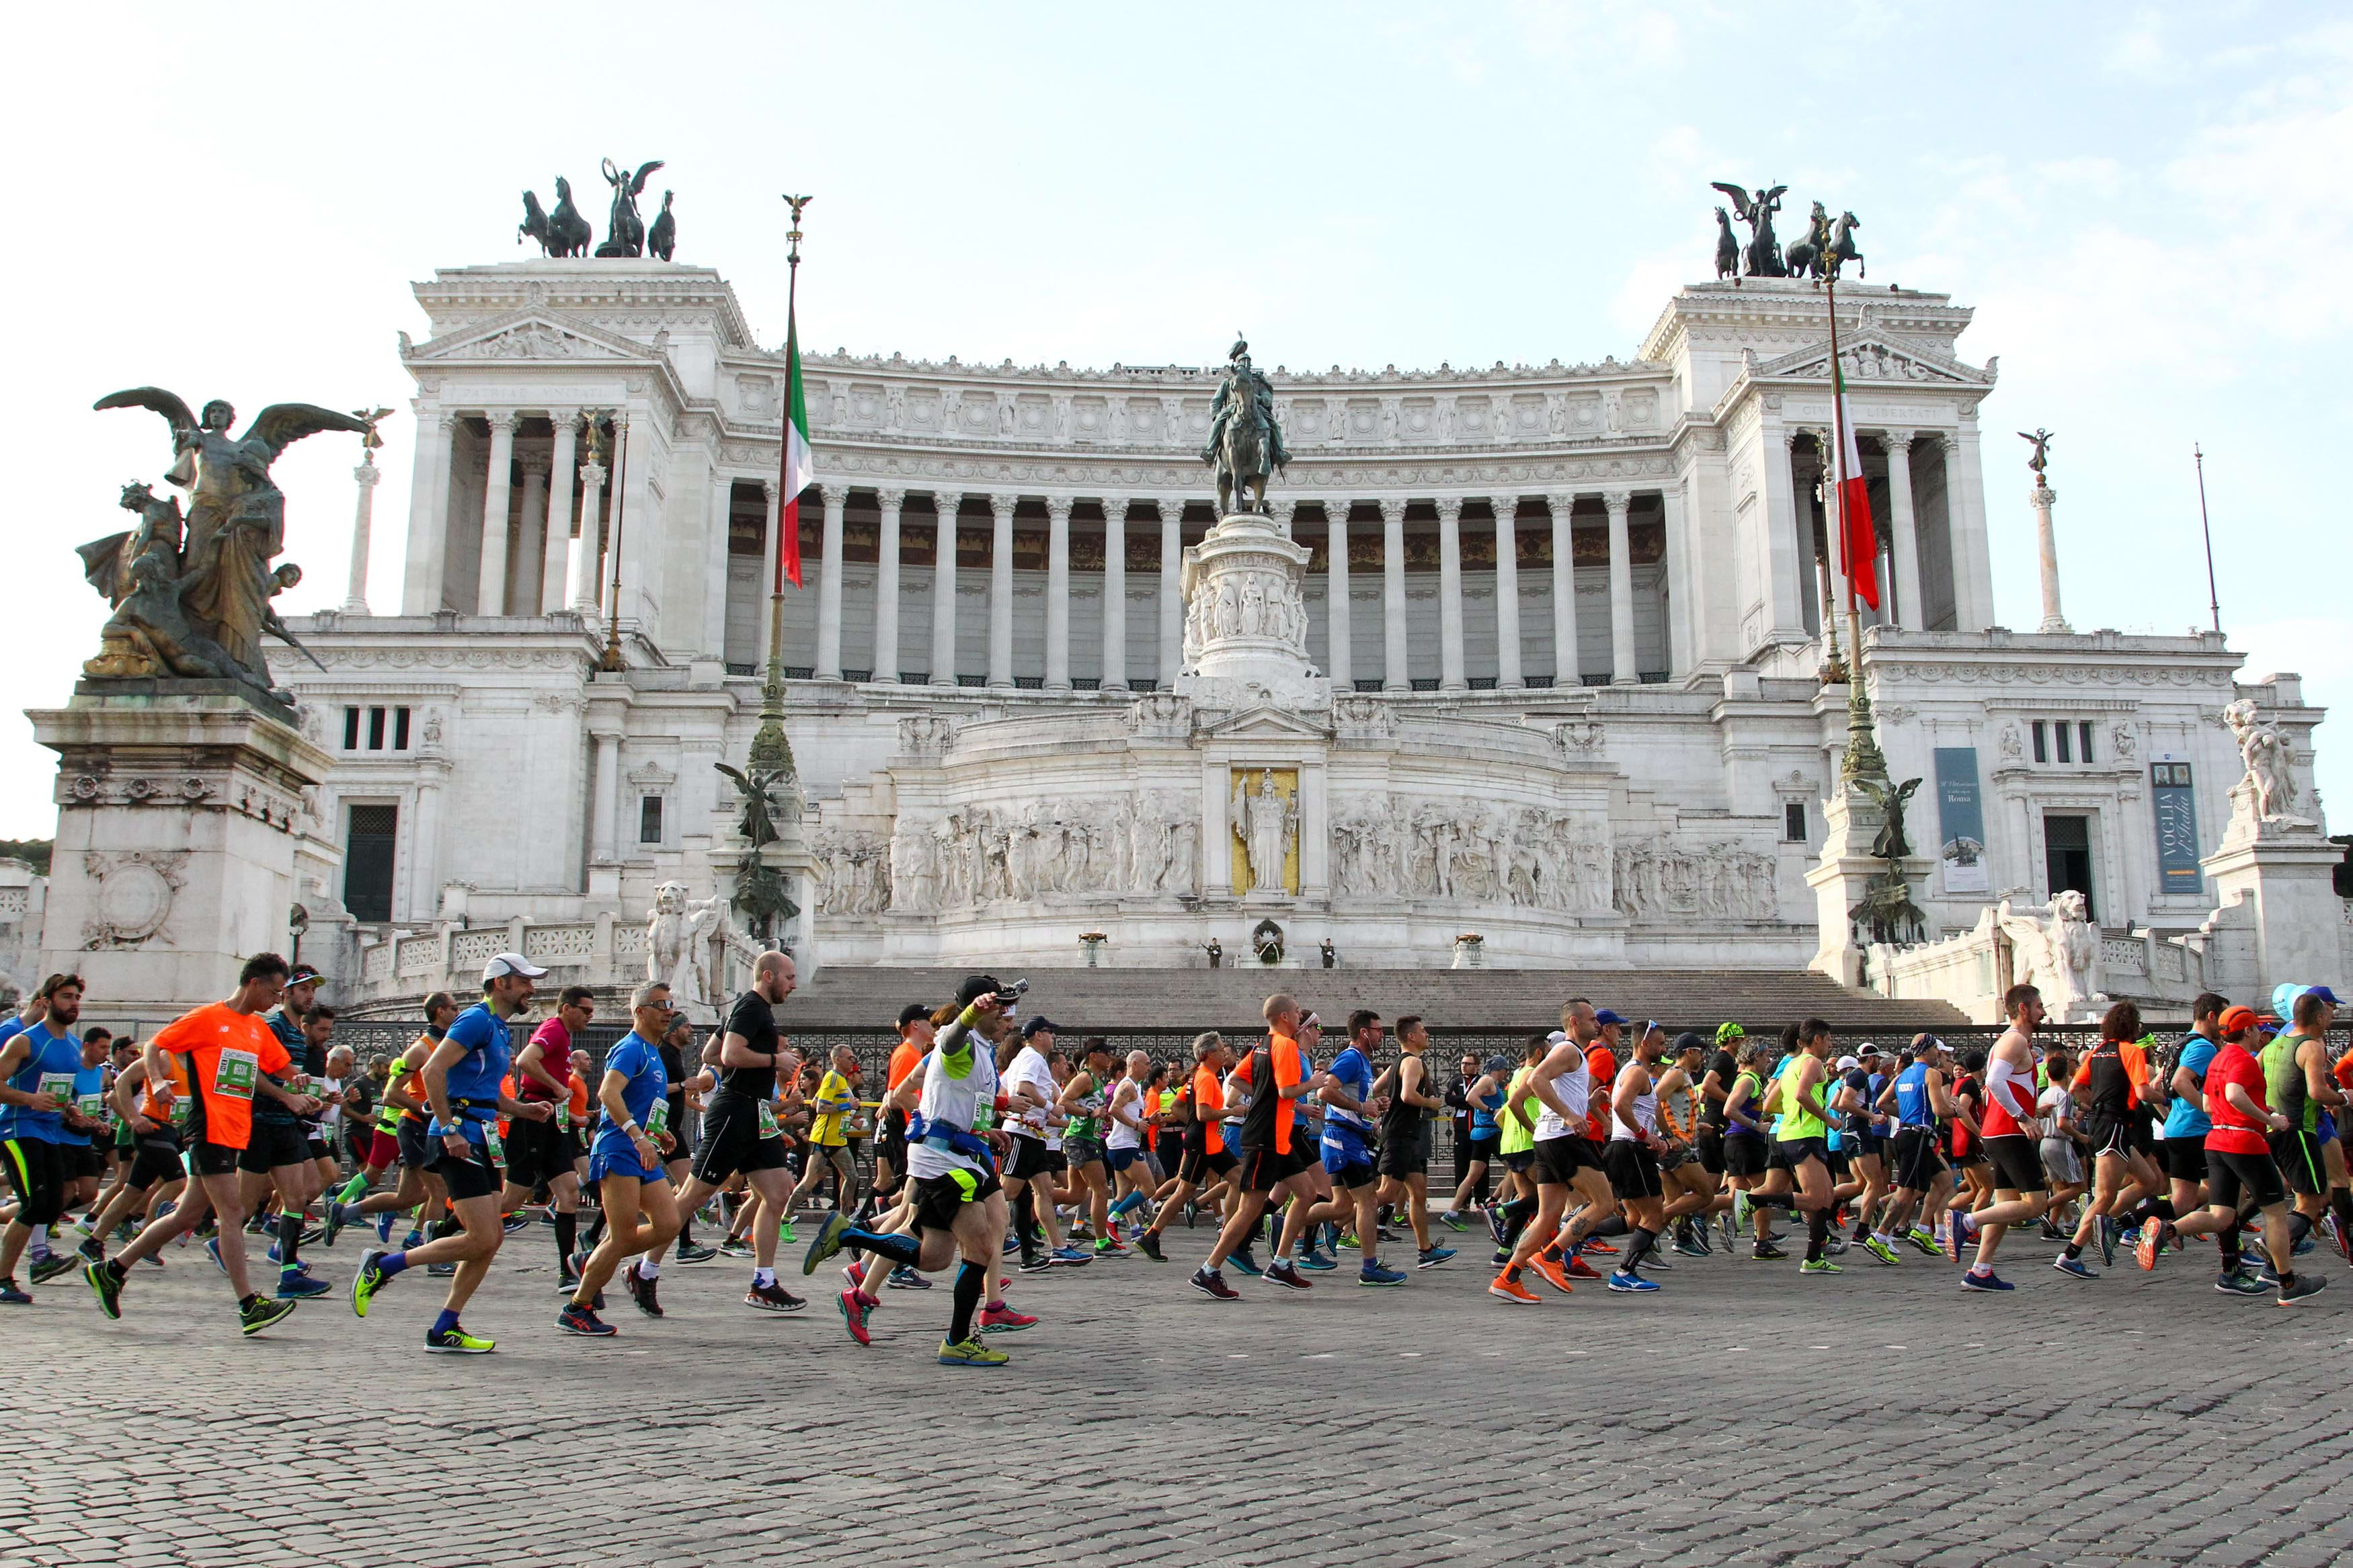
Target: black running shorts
x: 939, y: 1199
x: 2017, y: 1163
x: 2229, y: 1175
x: 1264, y: 1170
x: 732, y: 1140
x: 2185, y: 1158
x: 36, y: 1174
x: 537, y: 1152
x: 472, y: 1176
x: 1633, y: 1170
x: 275, y: 1143
x: 1027, y: 1159
x: 2297, y: 1154
x: 1559, y: 1159
x: 1745, y: 1155
x: 1918, y: 1161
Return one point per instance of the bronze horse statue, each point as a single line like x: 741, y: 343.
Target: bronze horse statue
x: 563, y: 232
x: 535, y: 224
x: 1727, y: 248
x: 1826, y: 249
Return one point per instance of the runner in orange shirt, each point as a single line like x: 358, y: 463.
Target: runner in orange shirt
x: 1204, y: 1154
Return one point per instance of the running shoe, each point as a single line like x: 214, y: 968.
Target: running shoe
x: 1012, y: 1245
x: 334, y: 1221
x: 212, y: 1250
x: 2305, y: 1287
x: 261, y: 1314
x: 384, y: 1226
x: 413, y: 1240
x: 1431, y: 1257
x: 1555, y: 1274
x: 1071, y: 1257
x: 292, y: 1287
x: 696, y: 1254
x: 56, y: 1264
x: 1245, y: 1264
x: 1283, y: 1272
x: 1002, y: 1319
x: 440, y: 1270
x: 2238, y: 1282
x: 1507, y: 1289
x: 1037, y: 1264
x: 1348, y: 1242
x: 645, y: 1292
x: 855, y: 1304
x: 1150, y: 1245
x: 567, y: 1283
x: 906, y: 1278
x: 1924, y: 1240
x: 1495, y: 1223
x: 825, y: 1243
x: 1624, y: 1281
x: 2303, y: 1248
x: 1596, y: 1244
x: 1111, y: 1246
x: 1374, y: 1274
x: 2107, y: 1231
x: 105, y: 1280
x: 1879, y: 1250
x: 12, y: 1294
x: 1835, y: 1243
x: 2073, y: 1267
x: 1740, y: 1207
x: 971, y: 1352
x: 367, y: 1281
x: 2265, y: 1274
x: 1578, y: 1268
x: 1956, y: 1241
x: 2152, y: 1242
x: 1452, y: 1220
x: 1686, y: 1246
x: 1730, y: 1231
x: 2343, y: 1235
x: 1973, y: 1280
x: 736, y: 1247
x: 515, y: 1222
x: 1212, y: 1284
x: 772, y: 1299
x: 1317, y: 1262
x: 785, y: 1234
x: 458, y: 1342
x: 1765, y: 1252
x: 1818, y: 1265
x: 583, y: 1320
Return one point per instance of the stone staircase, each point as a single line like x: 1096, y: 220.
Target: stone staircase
x: 1105, y: 1001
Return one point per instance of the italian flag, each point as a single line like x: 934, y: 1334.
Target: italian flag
x: 1858, y: 540
x: 798, y: 466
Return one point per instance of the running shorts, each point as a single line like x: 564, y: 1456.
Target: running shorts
x: 275, y: 1143
x: 1633, y: 1170
x: 1077, y: 1151
x: 2017, y: 1163
x: 2185, y: 1158
x: 1200, y: 1167
x: 1917, y: 1163
x: 1676, y: 1157
x: 1264, y: 1170
x: 1559, y: 1159
x: 208, y: 1158
x: 1839, y: 1159
x: 891, y: 1143
x: 1406, y: 1156
x: 537, y: 1152
x: 1745, y: 1155
x: 471, y: 1175
x: 1483, y: 1146
x: 383, y: 1150
x: 2297, y: 1154
x: 84, y: 1160
x: 2060, y: 1160
x: 317, y: 1148
x: 1789, y: 1154
x: 1521, y: 1159
x: 1711, y: 1149
x: 736, y: 1137
x: 2109, y: 1134
x: 939, y: 1199
x: 2142, y: 1124
x: 36, y: 1174
x: 1122, y: 1158
x: 1027, y: 1159
x: 2229, y: 1175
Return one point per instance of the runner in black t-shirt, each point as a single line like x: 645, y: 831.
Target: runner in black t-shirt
x: 739, y: 1123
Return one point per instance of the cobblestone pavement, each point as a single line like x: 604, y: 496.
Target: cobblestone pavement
x: 2139, y: 1417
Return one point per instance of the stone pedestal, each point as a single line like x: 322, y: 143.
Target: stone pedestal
x: 1245, y: 623
x: 176, y: 836
x: 2279, y: 868
x: 1842, y: 874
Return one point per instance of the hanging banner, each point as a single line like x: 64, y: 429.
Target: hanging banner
x: 2177, y: 828
x: 1960, y: 822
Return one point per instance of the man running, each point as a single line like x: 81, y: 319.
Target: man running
x: 1204, y: 1160
x: 540, y: 1153
x: 2240, y: 1164
x: 1277, y: 1074
x: 2182, y: 1148
x: 2012, y: 1141
x: 462, y: 1082
x: 1347, y: 1148
x: 40, y: 1066
x: 1633, y: 1157
x: 625, y: 1164
x: 1801, y: 1137
x: 1405, y: 1140
x: 1567, y: 1161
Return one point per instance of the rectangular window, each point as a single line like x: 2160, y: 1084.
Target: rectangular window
x: 376, y: 730
x: 351, y: 729
x: 649, y: 813
x: 2065, y: 743
x: 368, y: 862
x: 400, y: 729
x: 1793, y: 821
x: 2084, y: 741
x: 2041, y: 741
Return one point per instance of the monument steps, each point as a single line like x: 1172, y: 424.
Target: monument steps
x: 1103, y: 999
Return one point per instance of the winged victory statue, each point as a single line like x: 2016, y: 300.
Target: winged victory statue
x: 1763, y: 256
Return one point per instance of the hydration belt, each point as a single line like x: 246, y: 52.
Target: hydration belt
x: 941, y: 1136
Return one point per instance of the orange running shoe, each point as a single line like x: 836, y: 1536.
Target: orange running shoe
x: 1512, y: 1290
x: 1555, y: 1274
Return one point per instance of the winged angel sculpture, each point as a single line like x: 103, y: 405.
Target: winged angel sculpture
x: 1764, y: 257
x: 759, y: 890
x: 191, y: 595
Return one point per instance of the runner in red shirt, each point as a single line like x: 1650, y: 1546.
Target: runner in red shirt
x: 2238, y: 1161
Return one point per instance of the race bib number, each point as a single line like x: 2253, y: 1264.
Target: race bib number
x: 179, y: 1111
x: 768, y: 1128
x: 659, y: 1122
x: 58, y: 1085
x: 563, y: 1117
x: 494, y: 1144
x: 235, y: 1074
x: 92, y: 1106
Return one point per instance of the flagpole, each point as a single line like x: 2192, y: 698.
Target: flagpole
x: 1863, y: 758
x: 2213, y: 596
x: 770, y: 749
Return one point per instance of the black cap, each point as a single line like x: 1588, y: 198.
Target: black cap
x: 973, y: 988
x: 911, y: 1012
x: 302, y: 974
x: 1690, y: 1040
x: 1039, y: 1023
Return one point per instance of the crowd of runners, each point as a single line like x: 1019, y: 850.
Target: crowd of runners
x: 1605, y: 1150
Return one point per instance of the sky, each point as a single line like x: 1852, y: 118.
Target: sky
x: 2144, y: 209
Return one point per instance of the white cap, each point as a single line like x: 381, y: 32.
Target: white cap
x: 1846, y: 1062
x: 511, y: 963
x: 1557, y: 1038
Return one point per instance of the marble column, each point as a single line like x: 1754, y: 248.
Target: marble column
x: 1001, y: 593
x: 1903, y: 533
x: 1057, y: 593
x: 886, y: 586
x: 1965, y: 506
x: 1336, y: 652
x: 492, y: 597
x: 1682, y: 593
x: 1114, y: 595
x: 943, y: 590
x: 1621, y: 591
x: 584, y: 559
x: 1449, y: 594
x: 1789, y: 549
x: 1827, y: 488
x: 1566, y: 668
x: 363, y: 520
x: 1172, y: 596
x: 429, y: 512
x: 828, y: 585
x: 1394, y: 676
x: 765, y: 585
x: 1507, y: 592
x: 557, y: 546
x: 528, y: 560
x: 2046, y: 539
x: 607, y: 796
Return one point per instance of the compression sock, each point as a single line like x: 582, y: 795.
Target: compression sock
x: 1638, y: 1249
x: 971, y: 1284
x: 902, y: 1250
x: 1772, y: 1200
x: 2299, y: 1225
x: 596, y: 1232
x: 391, y: 1263
x: 1818, y: 1231
x: 567, y: 1232
x: 1614, y: 1225
x: 353, y: 1188
x: 1025, y: 1225
x: 290, y: 1237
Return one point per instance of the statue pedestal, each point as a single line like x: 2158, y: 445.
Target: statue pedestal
x: 1245, y: 623
x: 1842, y: 874
x: 2280, y: 869
x: 175, y: 846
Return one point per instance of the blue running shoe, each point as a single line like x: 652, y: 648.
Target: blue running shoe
x: 296, y: 1287
x: 1431, y: 1257
x: 1374, y: 1274
x: 2073, y: 1267
x: 1071, y: 1258
x: 1243, y: 1263
x: 212, y: 1250
x: 1621, y: 1280
x: 1317, y: 1262
x: 1974, y: 1281
x: 383, y: 1227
